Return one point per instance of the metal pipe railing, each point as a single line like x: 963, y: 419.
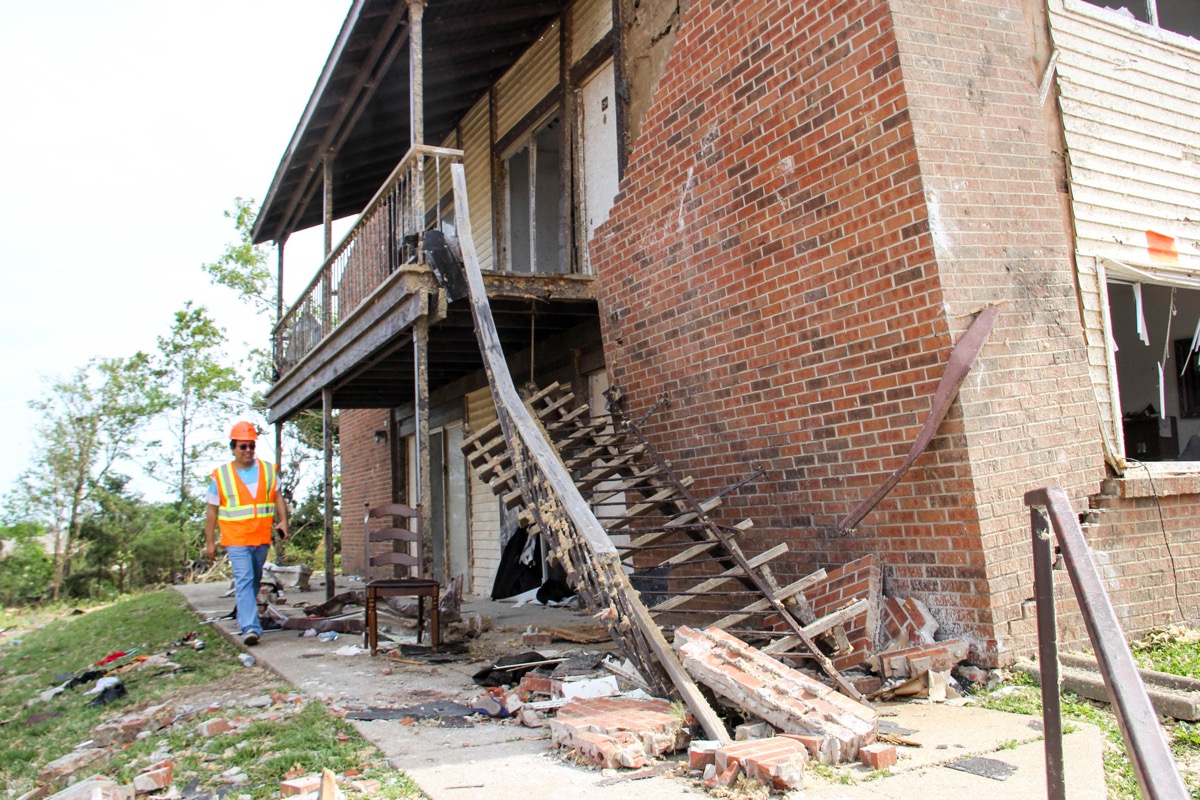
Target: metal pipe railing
x: 1153, y: 764
x: 386, y: 236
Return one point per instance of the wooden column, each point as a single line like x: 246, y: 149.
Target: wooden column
x: 416, y: 111
x: 327, y: 405
x: 327, y: 203
x: 421, y: 403
x: 280, y: 545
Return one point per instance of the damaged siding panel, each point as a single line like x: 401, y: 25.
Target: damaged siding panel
x: 529, y: 81
x: 477, y: 161
x: 485, y: 507
x: 1130, y: 100
x: 591, y: 20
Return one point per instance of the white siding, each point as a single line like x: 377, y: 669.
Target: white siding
x: 477, y: 162
x: 1129, y: 96
x: 528, y: 81
x: 1130, y: 100
x: 485, y: 506
x: 591, y: 20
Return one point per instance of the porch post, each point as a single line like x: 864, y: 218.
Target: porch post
x: 327, y: 404
x: 421, y: 400
x: 279, y: 543
x: 416, y: 69
x: 327, y: 202
x: 326, y: 270
x: 416, y: 111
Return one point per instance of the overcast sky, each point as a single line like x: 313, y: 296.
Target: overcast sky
x: 129, y: 128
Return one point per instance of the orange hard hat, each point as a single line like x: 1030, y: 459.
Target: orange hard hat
x: 243, y: 432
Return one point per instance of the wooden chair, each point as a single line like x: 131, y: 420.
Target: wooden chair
x: 419, y: 588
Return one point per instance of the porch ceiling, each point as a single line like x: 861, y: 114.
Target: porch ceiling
x: 368, y: 361
x: 359, y: 108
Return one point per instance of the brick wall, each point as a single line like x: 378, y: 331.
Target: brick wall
x: 778, y: 265
x: 366, y: 477
x: 1142, y: 537
x: 1027, y: 415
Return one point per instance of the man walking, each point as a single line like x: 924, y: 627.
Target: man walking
x: 245, y: 517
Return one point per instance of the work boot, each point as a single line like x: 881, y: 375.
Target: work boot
x: 250, y: 639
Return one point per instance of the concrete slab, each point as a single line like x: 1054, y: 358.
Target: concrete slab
x: 502, y: 760
x: 948, y: 734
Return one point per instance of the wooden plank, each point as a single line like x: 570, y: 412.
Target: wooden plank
x: 583, y: 528
x: 728, y: 575
x: 784, y: 593
x: 839, y: 617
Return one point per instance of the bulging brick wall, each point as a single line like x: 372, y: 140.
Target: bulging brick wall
x: 770, y: 264
x: 366, y: 477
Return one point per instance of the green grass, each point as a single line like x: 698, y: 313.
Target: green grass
x: 1172, y: 650
x: 38, y: 651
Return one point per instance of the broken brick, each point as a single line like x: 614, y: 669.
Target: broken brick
x: 701, y: 753
x: 908, y: 620
x: 784, y: 697
x: 536, y: 639
x: 366, y: 786
x: 158, y: 777
x: 909, y: 661
x: 212, y: 727
x: 619, y: 749
x: 71, y: 764
x: 719, y: 779
x: 96, y: 787
x: 302, y: 785
x: 878, y: 755
x: 536, y: 683
x: 861, y: 579
x: 618, y: 731
x: 778, y: 761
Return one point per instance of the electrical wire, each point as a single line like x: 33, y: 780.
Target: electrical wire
x: 1166, y: 539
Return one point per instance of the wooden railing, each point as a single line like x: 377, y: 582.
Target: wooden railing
x: 385, y: 237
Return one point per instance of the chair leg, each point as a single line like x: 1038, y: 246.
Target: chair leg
x: 435, y: 632
x: 372, y: 631
x: 420, y: 617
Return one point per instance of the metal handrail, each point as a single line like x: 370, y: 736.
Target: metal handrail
x: 385, y: 237
x: 1157, y: 774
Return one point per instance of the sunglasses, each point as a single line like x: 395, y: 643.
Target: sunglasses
x: 247, y: 446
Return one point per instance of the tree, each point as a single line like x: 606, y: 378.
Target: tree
x: 126, y: 542
x: 89, y: 422
x: 197, y: 390
x: 243, y: 266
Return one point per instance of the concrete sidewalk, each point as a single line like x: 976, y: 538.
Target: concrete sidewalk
x: 502, y: 760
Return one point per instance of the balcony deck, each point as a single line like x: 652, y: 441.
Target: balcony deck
x: 367, y: 360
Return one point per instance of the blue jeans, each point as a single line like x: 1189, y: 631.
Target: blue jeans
x: 247, y: 562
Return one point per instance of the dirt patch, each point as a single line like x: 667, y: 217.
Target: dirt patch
x: 232, y: 690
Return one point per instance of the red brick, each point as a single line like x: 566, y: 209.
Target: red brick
x: 301, y: 785
x: 878, y: 756
x: 155, y: 778
x: 212, y: 727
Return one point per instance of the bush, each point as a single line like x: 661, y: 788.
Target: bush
x: 25, y: 573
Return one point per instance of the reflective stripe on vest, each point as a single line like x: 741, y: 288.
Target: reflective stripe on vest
x: 231, y: 507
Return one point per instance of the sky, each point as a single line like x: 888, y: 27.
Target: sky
x: 128, y: 130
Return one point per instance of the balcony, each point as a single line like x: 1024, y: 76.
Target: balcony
x: 353, y: 328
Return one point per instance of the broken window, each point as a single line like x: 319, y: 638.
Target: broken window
x: 1179, y: 16
x: 533, y: 207
x: 1155, y: 330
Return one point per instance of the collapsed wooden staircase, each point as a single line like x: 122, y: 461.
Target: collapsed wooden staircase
x: 518, y: 457
x: 688, y: 567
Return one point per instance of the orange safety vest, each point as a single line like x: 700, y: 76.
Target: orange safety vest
x: 245, y: 518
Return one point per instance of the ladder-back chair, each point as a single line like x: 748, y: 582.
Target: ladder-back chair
x: 380, y: 529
